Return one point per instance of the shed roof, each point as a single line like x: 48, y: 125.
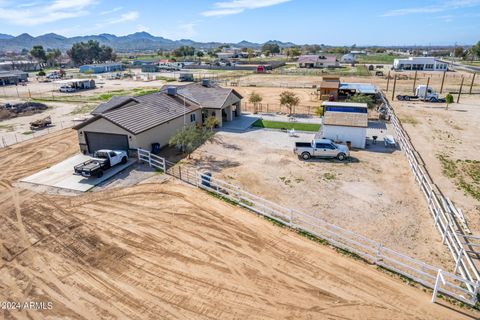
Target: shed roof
x: 148, y: 112
x: 338, y: 117
x: 329, y: 85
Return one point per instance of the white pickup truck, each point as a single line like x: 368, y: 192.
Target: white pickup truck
x: 321, y: 148
x: 102, y: 160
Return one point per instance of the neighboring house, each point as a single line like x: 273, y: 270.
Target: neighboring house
x: 12, y: 77
x: 21, y: 65
x: 128, y: 123
x: 317, y: 61
x: 420, y: 63
x: 348, y: 58
x: 345, y: 122
x: 101, y: 68
x: 222, y: 103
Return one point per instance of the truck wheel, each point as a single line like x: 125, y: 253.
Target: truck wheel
x: 124, y: 160
x: 306, y: 155
x: 341, y: 156
x: 400, y: 98
x: 100, y: 174
x: 406, y: 98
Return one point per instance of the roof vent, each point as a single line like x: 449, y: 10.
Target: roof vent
x: 172, y: 91
x: 205, y: 82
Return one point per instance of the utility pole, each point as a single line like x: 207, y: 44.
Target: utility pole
x: 394, y: 85
x: 426, y: 89
x: 388, y: 80
x: 460, y: 91
x: 414, y: 82
x: 443, y: 80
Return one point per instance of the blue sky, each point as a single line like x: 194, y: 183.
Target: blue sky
x: 346, y: 22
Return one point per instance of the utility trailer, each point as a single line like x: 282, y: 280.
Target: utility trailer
x: 102, y: 160
x: 422, y: 93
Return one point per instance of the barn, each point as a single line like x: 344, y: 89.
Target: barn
x: 345, y: 122
x: 128, y: 123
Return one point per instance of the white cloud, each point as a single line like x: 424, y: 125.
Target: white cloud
x: 440, y: 7
x: 111, y: 11
x: 125, y: 17
x: 36, y: 14
x: 225, y: 8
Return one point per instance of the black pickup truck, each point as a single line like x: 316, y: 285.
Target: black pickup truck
x: 102, y: 160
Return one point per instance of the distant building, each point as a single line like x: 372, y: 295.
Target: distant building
x: 22, y: 65
x: 420, y: 64
x: 348, y: 58
x: 345, y: 122
x: 12, y: 77
x: 101, y: 68
x: 317, y: 61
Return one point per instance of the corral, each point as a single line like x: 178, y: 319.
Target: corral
x: 153, y: 246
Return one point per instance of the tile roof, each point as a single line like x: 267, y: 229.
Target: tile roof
x: 112, y: 103
x: 213, y: 96
x: 148, y: 112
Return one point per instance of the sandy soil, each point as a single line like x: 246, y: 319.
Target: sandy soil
x: 168, y: 251
x: 454, y: 132
x: 375, y: 195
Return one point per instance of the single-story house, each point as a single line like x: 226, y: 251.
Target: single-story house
x: 128, y: 123
x: 345, y: 122
x: 215, y: 101
x: 348, y: 58
x: 317, y: 61
x: 12, y: 77
x: 420, y: 63
x: 101, y: 68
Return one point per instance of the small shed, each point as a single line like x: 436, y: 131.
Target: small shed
x: 12, y: 77
x: 345, y: 122
x: 329, y: 88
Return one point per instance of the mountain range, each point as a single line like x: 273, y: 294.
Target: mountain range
x: 139, y: 41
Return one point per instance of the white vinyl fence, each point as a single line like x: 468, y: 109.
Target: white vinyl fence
x: 448, y: 220
x: 440, y: 281
x: 11, y: 138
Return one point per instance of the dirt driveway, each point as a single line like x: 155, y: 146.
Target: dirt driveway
x: 374, y: 195
x: 169, y: 251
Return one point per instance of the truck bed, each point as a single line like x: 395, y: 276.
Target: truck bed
x: 91, y: 165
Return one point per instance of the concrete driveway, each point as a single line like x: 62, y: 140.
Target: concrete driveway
x: 62, y: 176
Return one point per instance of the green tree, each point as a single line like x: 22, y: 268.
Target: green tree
x: 319, y: 111
x: 475, y: 50
x: 448, y: 100
x: 90, y: 52
x: 211, y: 122
x: 459, y: 52
x: 271, y: 47
x: 184, y: 51
x: 362, y: 98
x: 289, y: 99
x: 38, y: 53
x: 255, y: 99
x: 52, y: 57
x: 189, y: 138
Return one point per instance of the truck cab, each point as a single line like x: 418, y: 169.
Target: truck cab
x: 422, y: 92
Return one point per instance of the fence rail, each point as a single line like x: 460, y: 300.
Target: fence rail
x: 444, y: 213
x: 10, y: 138
x: 440, y: 281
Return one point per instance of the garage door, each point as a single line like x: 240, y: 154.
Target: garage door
x: 97, y: 141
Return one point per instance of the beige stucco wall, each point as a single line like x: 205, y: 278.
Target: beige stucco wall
x: 160, y: 134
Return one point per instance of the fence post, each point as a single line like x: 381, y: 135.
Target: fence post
x: 471, y: 84
x: 138, y: 154
x: 443, y: 80
x: 437, y: 283
x: 460, y: 90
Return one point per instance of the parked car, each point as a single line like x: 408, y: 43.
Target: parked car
x: 102, y: 160
x: 321, y: 148
x: 66, y: 89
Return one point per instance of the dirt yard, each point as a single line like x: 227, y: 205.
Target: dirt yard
x: 448, y: 141
x: 168, y: 251
x: 374, y: 195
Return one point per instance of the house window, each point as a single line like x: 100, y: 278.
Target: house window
x: 193, y: 117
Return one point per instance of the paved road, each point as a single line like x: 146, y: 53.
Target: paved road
x: 463, y: 66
